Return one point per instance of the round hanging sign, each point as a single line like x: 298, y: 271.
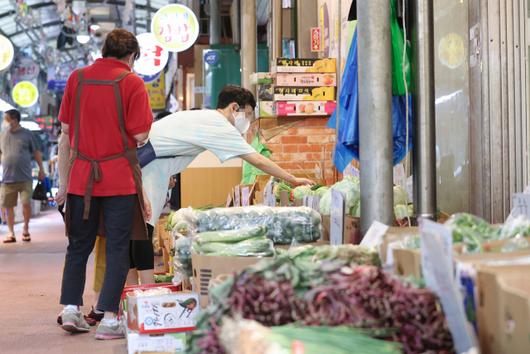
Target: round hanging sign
x: 25, y: 94
x: 7, y: 52
x: 153, y: 57
x: 175, y: 27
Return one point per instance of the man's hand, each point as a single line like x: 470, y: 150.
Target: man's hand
x: 302, y: 182
x: 148, y: 211
x: 60, y: 198
x: 42, y: 175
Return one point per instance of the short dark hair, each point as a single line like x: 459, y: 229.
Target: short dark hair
x: 14, y: 114
x: 119, y: 44
x: 240, y: 95
x: 161, y: 115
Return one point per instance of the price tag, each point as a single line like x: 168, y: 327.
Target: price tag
x: 237, y: 196
x: 336, y: 232
x: 245, y: 196
x: 374, y: 235
x: 437, y: 270
x: 521, y: 205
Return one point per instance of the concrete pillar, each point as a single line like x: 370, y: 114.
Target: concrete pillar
x: 215, y: 22
x: 424, y: 154
x: 375, y: 112
x: 248, y: 42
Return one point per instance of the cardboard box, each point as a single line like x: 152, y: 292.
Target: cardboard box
x: 206, y: 268
x: 266, y: 109
x: 504, y: 309
x: 130, y: 288
x: 304, y: 93
x: 306, y: 80
x: 393, y: 235
x: 176, y: 312
x: 326, y: 65
x: 148, y: 343
x: 297, y: 108
x: 352, y: 229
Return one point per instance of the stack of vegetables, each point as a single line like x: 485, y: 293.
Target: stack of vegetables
x: 326, y: 286
x: 239, y: 336
x: 244, y: 242
x: 283, y: 224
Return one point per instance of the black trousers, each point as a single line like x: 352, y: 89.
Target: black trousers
x: 117, y: 219
x: 142, y: 253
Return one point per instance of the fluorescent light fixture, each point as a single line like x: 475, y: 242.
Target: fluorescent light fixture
x: 4, y: 106
x: 95, y: 27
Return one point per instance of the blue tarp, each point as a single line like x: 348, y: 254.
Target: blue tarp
x: 347, y: 147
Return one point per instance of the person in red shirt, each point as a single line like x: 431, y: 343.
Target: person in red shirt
x: 105, y: 114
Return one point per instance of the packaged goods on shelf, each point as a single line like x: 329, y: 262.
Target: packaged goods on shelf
x: 264, y: 78
x: 152, y: 314
x: 305, y: 80
x: 305, y: 108
x: 327, y: 65
x: 285, y: 93
x: 266, y: 109
x: 147, y: 343
x: 265, y: 92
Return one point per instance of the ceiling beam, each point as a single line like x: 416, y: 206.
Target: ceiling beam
x: 33, y: 7
x: 47, y: 24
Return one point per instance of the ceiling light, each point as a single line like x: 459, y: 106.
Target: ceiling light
x: 95, y: 27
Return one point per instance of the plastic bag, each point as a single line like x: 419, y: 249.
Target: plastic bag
x: 520, y: 225
x: 398, y: 46
x: 39, y: 193
x: 182, y: 258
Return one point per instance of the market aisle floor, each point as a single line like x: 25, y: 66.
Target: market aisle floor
x: 30, y: 281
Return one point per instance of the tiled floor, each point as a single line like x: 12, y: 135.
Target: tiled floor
x: 30, y: 281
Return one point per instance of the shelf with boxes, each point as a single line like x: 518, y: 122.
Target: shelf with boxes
x: 297, y: 87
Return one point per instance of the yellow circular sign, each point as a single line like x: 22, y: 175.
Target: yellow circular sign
x: 25, y: 94
x: 7, y: 52
x: 175, y: 27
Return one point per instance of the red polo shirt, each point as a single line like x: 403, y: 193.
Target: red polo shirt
x: 99, y: 133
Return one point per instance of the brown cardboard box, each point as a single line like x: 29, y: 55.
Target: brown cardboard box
x: 407, y: 262
x: 395, y: 234
x: 206, y: 268
x: 504, y: 309
x: 352, y: 229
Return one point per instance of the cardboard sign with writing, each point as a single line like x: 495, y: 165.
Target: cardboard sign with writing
x: 374, y: 235
x: 437, y: 268
x: 237, y: 196
x: 336, y: 231
x: 245, y: 196
x: 521, y: 205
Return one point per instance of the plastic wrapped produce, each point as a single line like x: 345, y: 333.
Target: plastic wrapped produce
x: 231, y: 236
x: 350, y: 187
x: 283, y: 223
x: 182, y: 258
x: 252, y: 247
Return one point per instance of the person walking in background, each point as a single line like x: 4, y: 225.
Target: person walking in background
x: 17, y: 149
x: 105, y: 113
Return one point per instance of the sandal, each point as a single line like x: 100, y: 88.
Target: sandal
x: 26, y: 237
x: 10, y: 239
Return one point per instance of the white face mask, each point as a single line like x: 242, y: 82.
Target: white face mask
x: 241, y: 122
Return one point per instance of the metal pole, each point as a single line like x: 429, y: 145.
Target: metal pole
x: 424, y: 155
x: 276, y: 19
x: 375, y: 112
x: 248, y: 42
x: 215, y: 22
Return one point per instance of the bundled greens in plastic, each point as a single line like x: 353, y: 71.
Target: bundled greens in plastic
x: 283, y: 223
x: 252, y: 247
x: 400, y: 196
x: 231, y: 236
x: 350, y: 187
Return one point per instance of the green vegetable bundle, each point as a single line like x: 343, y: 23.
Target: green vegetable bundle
x: 231, y: 236
x: 252, y: 247
x: 471, y: 230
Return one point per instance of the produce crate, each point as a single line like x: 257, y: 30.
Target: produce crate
x: 504, y: 309
x: 352, y: 229
x: 127, y: 289
x: 147, y: 343
x: 206, y: 268
x: 176, y: 312
x: 392, y: 236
